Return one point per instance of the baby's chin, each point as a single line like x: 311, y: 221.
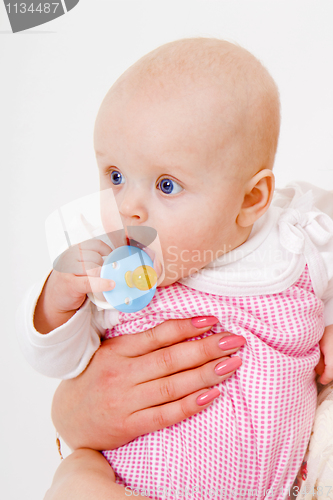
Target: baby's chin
x: 166, y: 282
x: 169, y: 280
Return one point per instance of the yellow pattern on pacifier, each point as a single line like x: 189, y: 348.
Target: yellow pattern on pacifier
x: 143, y: 278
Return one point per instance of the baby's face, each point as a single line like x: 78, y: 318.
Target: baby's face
x: 170, y: 163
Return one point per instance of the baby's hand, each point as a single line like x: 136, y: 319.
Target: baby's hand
x: 325, y: 365
x: 76, y: 272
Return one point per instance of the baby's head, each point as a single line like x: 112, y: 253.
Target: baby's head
x: 186, y: 138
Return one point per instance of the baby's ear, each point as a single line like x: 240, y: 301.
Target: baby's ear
x: 258, y: 196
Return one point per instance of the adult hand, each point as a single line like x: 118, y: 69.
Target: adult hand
x: 140, y: 383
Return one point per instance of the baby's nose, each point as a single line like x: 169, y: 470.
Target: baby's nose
x: 132, y: 209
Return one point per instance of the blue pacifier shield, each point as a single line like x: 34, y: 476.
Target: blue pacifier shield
x: 122, y: 260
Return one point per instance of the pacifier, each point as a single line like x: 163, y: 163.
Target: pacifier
x: 128, y: 265
x: 133, y: 272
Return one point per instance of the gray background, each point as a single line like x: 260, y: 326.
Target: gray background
x: 21, y: 18
x: 53, y: 79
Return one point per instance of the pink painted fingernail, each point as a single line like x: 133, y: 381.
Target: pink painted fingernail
x: 228, y: 365
x: 207, y: 397
x: 203, y: 321
x: 231, y: 342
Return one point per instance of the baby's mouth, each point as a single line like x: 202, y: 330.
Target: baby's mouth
x: 141, y: 236
x: 137, y: 236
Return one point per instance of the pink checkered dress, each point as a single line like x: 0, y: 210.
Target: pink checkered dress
x: 249, y: 444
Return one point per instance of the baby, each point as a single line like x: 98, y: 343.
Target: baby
x: 186, y: 138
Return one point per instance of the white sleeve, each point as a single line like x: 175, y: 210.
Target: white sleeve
x: 66, y: 351
x: 323, y: 200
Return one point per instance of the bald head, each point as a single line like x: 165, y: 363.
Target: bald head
x: 241, y: 91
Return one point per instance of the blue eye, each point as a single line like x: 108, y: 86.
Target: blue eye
x: 167, y: 186
x: 117, y: 178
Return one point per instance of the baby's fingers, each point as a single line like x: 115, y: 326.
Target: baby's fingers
x: 325, y: 371
x: 325, y: 365
x: 91, y: 251
x: 327, y: 376
x: 95, y: 245
x: 91, y: 256
x: 78, y: 268
x: 91, y: 284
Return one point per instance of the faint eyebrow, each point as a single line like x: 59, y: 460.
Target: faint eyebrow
x: 98, y: 153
